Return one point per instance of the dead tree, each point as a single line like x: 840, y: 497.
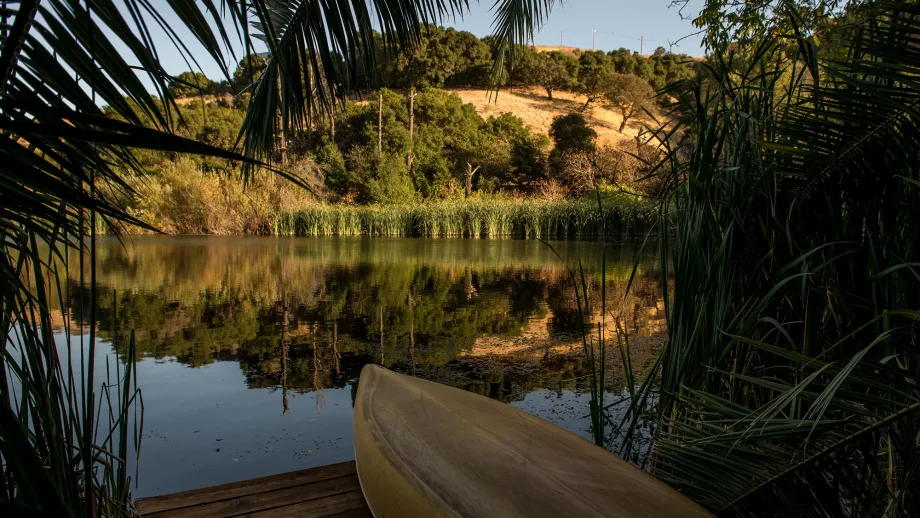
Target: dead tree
x: 470, y: 171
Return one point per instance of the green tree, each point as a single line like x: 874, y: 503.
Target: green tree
x: 382, y: 178
x: 545, y: 71
x: 659, y: 69
x: 629, y: 94
x: 625, y: 61
x: 457, y: 130
x: 443, y: 57
x: 572, y: 65
x: 248, y: 71
x: 188, y: 84
x: 594, y: 82
x: 526, y: 161
x: 572, y: 157
x: 525, y: 60
x: 572, y: 133
x: 591, y: 58
x: 368, y: 173
x: 452, y: 144
x: 329, y: 154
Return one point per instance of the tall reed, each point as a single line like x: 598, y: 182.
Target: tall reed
x: 485, y: 217
x: 788, y: 385
x: 69, y: 424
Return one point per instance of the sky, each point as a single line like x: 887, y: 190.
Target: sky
x: 619, y: 23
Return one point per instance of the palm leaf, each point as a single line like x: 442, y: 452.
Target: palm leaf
x: 61, y: 61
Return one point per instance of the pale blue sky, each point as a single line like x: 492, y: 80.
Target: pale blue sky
x: 619, y: 23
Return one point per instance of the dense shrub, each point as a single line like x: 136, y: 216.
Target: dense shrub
x: 570, y: 133
x: 180, y: 197
x: 574, y: 146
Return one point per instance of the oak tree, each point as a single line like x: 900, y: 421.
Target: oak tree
x: 629, y: 94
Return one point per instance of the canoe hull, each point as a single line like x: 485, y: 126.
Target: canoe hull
x: 425, y: 449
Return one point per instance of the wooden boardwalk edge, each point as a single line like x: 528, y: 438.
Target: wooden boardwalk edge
x: 331, y: 490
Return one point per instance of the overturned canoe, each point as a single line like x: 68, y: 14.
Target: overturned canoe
x: 425, y: 449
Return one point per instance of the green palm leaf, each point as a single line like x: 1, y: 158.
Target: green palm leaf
x: 74, y: 104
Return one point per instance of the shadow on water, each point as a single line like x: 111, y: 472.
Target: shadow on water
x: 254, y: 339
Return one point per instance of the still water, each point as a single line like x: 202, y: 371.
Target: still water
x: 250, y: 348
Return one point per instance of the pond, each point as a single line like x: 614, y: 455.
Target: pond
x: 250, y: 349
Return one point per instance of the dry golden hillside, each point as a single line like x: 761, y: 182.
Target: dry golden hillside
x: 534, y: 107
x: 551, y: 48
x: 208, y: 99
x: 530, y: 104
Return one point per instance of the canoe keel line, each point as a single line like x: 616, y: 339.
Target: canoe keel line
x: 425, y: 449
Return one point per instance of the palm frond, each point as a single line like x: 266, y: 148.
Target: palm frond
x: 516, y: 21
x: 61, y: 63
x: 81, y: 86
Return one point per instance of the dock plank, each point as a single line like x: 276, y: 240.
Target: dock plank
x: 364, y: 512
x: 245, y: 487
x: 323, y: 491
x: 265, y: 501
x: 323, y: 507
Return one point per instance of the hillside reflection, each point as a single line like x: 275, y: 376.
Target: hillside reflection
x: 299, y: 315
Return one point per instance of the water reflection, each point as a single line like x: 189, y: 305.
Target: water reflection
x: 291, y: 322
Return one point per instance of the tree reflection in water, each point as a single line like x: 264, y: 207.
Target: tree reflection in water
x: 498, y: 318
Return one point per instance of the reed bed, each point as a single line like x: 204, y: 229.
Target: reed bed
x: 788, y: 384
x: 478, y: 218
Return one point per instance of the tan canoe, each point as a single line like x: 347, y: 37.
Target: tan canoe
x: 425, y: 449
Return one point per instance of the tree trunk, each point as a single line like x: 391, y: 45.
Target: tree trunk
x: 411, y: 114
x: 285, y: 347
x: 549, y: 93
x: 626, y: 116
x: 380, y: 124
x: 336, y: 357
x: 411, y: 156
x: 318, y: 389
x: 282, y: 144
x: 285, y: 340
x: 470, y: 171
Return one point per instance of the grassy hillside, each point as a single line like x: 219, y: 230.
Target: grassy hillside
x: 556, y: 48
x: 537, y: 111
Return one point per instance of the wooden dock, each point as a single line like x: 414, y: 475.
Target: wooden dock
x: 318, y: 492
